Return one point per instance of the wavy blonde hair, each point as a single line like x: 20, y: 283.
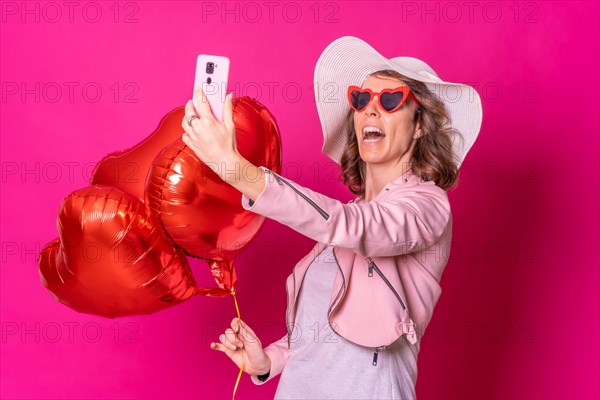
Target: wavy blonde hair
x: 432, y: 158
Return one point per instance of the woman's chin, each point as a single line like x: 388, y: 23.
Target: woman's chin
x: 371, y: 157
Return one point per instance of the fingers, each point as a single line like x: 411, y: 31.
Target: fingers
x: 189, y: 108
x: 204, y: 107
x: 228, y: 112
x: 222, y: 348
x: 232, y: 339
x: 235, y: 324
x: 185, y: 138
x: 226, y: 342
x: 236, y: 338
x: 245, y: 334
x: 244, y: 327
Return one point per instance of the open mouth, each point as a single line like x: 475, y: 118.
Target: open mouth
x: 372, y: 134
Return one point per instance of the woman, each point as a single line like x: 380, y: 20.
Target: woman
x: 359, y: 303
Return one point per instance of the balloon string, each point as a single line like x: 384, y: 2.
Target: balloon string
x: 237, y: 381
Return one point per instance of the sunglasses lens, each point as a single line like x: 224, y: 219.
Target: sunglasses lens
x: 389, y: 101
x: 360, y: 99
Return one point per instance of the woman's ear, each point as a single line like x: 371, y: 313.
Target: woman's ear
x: 418, y: 133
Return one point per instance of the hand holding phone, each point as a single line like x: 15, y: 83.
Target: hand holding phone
x: 212, y: 74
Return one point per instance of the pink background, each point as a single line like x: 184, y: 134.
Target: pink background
x: 518, y: 317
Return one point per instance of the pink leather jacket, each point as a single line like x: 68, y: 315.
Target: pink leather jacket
x: 390, y: 251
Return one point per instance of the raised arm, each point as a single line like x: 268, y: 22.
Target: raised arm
x: 409, y: 221
x: 412, y: 220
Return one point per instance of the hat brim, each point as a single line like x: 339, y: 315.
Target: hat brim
x: 349, y: 61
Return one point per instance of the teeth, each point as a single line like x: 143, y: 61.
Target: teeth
x: 372, y: 129
x: 372, y: 133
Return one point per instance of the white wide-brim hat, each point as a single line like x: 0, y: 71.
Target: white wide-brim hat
x: 349, y: 61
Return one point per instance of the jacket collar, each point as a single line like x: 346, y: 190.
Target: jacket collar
x: 404, y: 179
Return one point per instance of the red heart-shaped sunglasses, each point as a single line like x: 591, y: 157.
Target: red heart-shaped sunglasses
x: 389, y: 99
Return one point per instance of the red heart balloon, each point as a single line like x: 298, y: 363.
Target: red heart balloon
x: 112, y: 260
x: 198, y: 210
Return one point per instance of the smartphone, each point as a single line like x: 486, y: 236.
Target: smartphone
x: 212, y: 74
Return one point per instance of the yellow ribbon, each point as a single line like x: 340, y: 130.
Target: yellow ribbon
x: 237, y: 381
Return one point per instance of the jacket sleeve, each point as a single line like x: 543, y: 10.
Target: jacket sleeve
x: 414, y: 220
x: 279, y: 353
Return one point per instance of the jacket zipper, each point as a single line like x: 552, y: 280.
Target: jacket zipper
x: 376, y: 354
x: 287, y: 312
x: 373, y: 266
x: 323, y: 213
x: 335, y: 303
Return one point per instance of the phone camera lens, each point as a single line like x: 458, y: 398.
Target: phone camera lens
x: 208, y: 80
x: 210, y: 68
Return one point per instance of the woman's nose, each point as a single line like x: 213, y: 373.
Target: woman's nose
x: 373, y: 107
